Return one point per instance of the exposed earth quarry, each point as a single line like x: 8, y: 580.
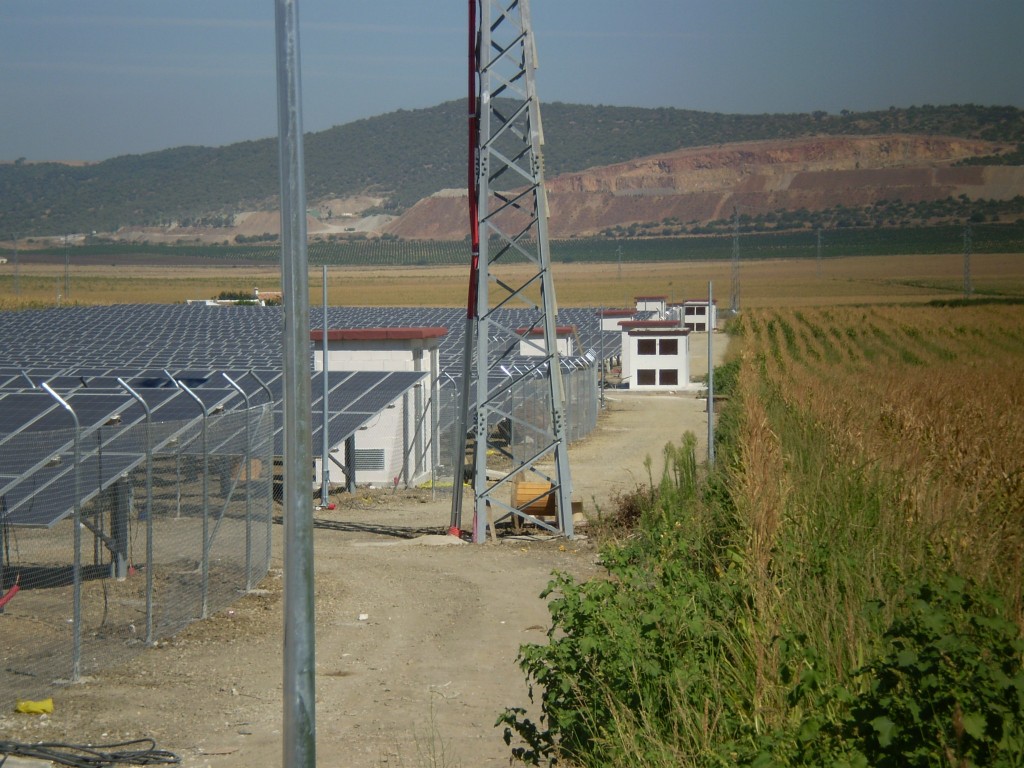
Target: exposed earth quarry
x: 705, y: 183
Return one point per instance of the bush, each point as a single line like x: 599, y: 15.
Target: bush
x: 949, y: 689
x: 946, y: 689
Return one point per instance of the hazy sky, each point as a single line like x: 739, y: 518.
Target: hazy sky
x: 92, y: 79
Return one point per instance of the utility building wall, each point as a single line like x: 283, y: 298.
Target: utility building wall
x: 656, y: 359
x: 610, y: 318
x: 698, y: 316
x: 400, y: 443
x: 655, y: 304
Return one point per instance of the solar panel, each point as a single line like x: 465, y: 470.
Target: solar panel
x: 81, y: 351
x: 20, y: 410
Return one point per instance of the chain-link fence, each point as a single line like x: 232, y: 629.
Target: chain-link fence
x: 89, y: 577
x: 531, y: 415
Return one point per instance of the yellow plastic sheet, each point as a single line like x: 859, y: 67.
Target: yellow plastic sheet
x: 29, y: 707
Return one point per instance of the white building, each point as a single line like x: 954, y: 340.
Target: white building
x: 655, y: 355
x: 532, y: 343
x: 694, y: 314
x: 401, y: 442
x: 610, y: 318
x: 655, y: 304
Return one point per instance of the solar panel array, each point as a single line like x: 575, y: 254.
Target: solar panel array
x: 81, y: 352
x: 152, y: 336
x: 142, y: 336
x: 36, y: 474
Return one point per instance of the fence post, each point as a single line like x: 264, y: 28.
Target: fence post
x: 406, y: 445
x: 435, y: 420
x: 177, y: 460
x: 121, y: 497
x: 247, y: 458
x: 3, y: 548
x: 600, y: 327
x: 325, y: 447
x: 76, y: 571
x: 270, y: 516
x: 149, y: 508
x: 205, y: 586
x: 711, y: 387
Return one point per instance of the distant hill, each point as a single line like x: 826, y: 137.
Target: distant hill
x: 402, y: 157
x: 885, y: 180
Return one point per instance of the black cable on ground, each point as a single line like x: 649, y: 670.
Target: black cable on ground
x: 91, y: 755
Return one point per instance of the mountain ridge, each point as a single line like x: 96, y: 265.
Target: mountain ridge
x: 405, y: 156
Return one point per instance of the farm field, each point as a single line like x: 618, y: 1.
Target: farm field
x: 878, y: 489
x: 844, y: 589
x: 927, y: 399
x: 764, y: 283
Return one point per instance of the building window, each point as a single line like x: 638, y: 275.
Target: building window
x: 668, y: 347
x: 647, y: 346
x: 668, y: 377
x: 700, y: 327
x: 691, y: 310
x: 646, y: 376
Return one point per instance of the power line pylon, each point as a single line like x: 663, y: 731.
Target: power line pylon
x: 523, y: 395
x: 735, y: 297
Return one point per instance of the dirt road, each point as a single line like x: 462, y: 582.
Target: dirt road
x: 417, y: 634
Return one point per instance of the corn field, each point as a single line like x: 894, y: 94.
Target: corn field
x: 842, y: 586
x: 930, y: 398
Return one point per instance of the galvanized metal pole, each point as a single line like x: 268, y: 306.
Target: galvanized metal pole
x: 247, y: 458
x: 17, y: 270
x: 735, y: 299
x: 325, y: 447
x: 350, y: 464
x: 711, y: 385
x: 600, y: 330
x: 149, y: 507
x: 406, y: 441
x: 270, y: 517
x: 418, y: 417
x: 76, y: 568
x: 67, y: 268
x: 299, y: 726
x: 205, y: 563
x: 435, y: 421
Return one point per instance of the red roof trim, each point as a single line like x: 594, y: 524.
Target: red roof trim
x: 616, y: 312
x: 379, y: 334
x: 659, y: 332
x: 630, y: 324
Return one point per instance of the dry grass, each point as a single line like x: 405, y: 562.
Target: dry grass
x: 776, y: 283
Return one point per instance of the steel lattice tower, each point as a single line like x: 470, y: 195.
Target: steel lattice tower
x: 511, y: 228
